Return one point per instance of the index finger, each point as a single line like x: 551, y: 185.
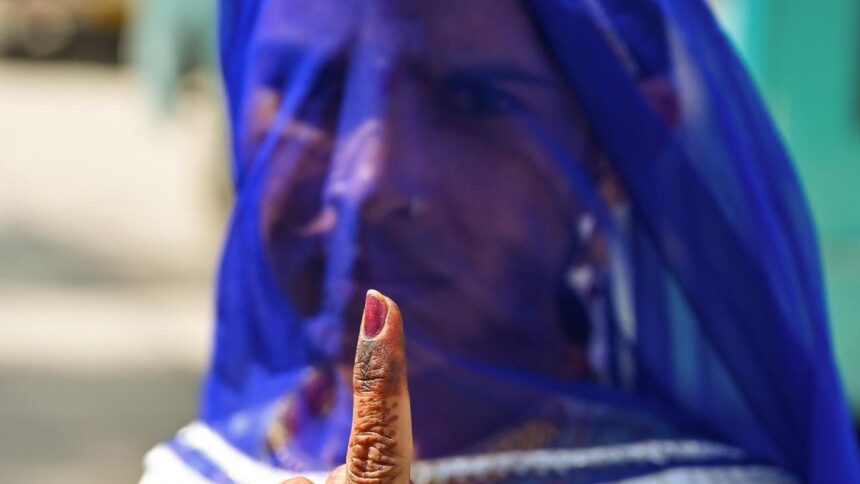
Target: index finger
x: 380, y: 444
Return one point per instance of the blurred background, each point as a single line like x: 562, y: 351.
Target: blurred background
x: 114, y: 194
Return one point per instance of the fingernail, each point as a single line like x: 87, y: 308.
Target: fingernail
x: 375, y: 312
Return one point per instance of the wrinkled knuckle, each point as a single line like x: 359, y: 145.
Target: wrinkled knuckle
x: 371, y: 379
x: 373, y: 459
x: 373, y: 455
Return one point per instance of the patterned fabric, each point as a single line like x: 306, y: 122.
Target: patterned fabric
x: 200, y: 455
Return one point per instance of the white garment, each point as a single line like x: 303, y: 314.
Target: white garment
x: 164, y: 466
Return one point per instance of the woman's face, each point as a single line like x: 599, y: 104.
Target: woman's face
x: 431, y: 161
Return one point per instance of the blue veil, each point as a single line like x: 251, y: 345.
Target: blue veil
x: 581, y: 206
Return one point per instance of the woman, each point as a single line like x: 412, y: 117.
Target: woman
x: 595, y: 238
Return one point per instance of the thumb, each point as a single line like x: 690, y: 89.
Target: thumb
x: 380, y: 445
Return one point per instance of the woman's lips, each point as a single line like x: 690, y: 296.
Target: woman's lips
x: 394, y: 272
x: 387, y: 259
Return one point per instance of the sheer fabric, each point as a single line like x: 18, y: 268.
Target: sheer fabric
x: 593, y: 232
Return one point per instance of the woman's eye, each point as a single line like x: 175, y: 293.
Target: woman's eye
x: 322, y: 99
x: 284, y: 69
x: 469, y: 96
x: 327, y: 88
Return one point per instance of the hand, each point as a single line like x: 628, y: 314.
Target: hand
x: 380, y: 444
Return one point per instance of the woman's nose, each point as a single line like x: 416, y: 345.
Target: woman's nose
x: 373, y: 177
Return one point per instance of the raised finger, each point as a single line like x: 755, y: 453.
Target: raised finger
x: 380, y: 445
